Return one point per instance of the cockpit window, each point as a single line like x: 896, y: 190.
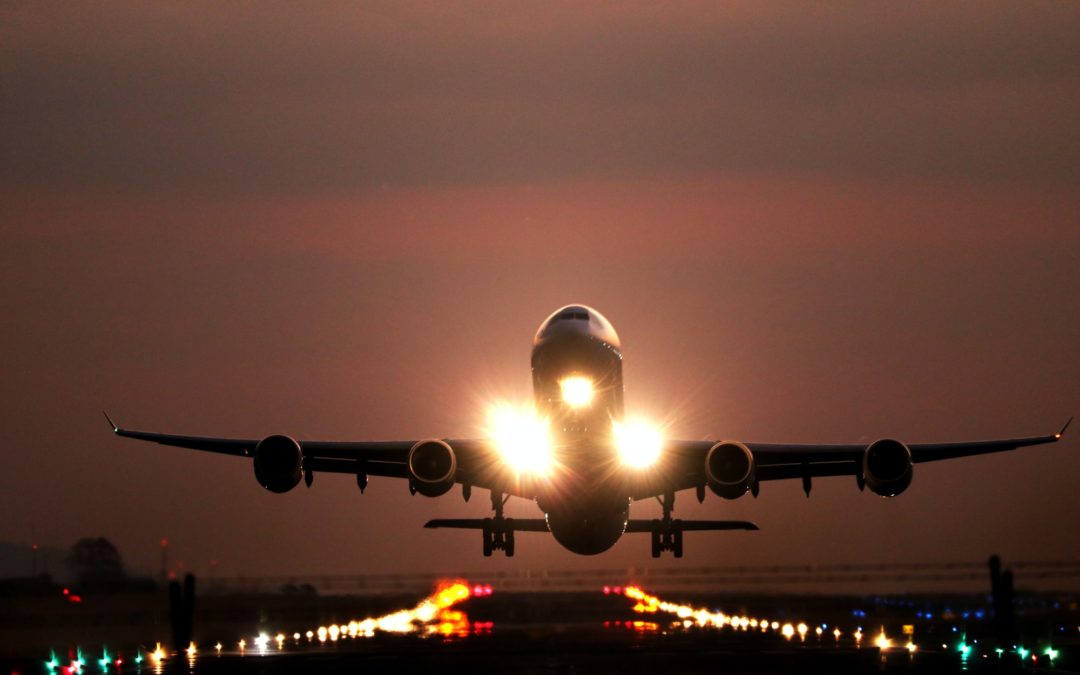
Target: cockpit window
x: 593, y: 323
x: 581, y: 316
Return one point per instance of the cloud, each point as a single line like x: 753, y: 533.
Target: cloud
x: 210, y: 99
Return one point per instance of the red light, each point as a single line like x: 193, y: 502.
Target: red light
x: 74, y: 598
x: 487, y: 589
x: 607, y: 590
x: 66, y: 591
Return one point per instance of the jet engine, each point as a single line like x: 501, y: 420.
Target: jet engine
x: 432, y: 467
x: 887, y: 467
x: 729, y: 469
x: 279, y: 464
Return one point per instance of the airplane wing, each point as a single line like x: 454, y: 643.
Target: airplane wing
x: 478, y: 463
x: 684, y: 466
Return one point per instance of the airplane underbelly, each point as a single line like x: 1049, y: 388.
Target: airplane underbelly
x: 588, y: 532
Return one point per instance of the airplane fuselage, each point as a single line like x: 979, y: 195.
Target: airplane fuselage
x: 585, y: 508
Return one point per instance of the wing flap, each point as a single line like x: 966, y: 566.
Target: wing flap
x: 811, y: 469
x: 352, y: 466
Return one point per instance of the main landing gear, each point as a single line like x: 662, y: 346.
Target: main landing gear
x: 667, y: 534
x: 498, y: 531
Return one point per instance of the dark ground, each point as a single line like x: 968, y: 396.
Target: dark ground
x: 538, y: 633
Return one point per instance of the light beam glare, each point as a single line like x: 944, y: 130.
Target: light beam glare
x: 577, y: 391
x: 522, y: 437
x: 639, y: 443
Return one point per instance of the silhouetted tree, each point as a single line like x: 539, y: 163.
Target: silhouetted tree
x: 96, y: 561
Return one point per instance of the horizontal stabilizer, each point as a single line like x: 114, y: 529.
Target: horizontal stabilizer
x: 516, y: 524
x: 692, y: 525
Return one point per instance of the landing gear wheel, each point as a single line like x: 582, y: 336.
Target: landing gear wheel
x: 489, y: 538
x: 654, y: 534
x: 508, y: 541
x: 676, y: 538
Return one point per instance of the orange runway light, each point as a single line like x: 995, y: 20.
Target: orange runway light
x: 882, y: 642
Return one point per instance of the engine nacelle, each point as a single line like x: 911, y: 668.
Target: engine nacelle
x: 887, y: 467
x: 279, y: 464
x: 432, y: 467
x: 729, y: 469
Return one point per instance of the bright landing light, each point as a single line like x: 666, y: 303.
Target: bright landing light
x: 639, y: 443
x: 577, y: 391
x: 522, y: 438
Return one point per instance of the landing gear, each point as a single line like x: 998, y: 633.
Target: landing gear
x: 667, y: 534
x: 498, y: 531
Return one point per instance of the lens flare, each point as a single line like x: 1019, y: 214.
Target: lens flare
x: 882, y: 641
x: 432, y: 615
x: 577, y: 391
x: 522, y: 437
x: 639, y: 443
x: 689, y: 616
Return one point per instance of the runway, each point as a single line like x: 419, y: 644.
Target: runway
x: 463, y: 627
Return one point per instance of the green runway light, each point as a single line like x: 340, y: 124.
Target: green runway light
x: 1051, y: 653
x: 1022, y: 652
x: 138, y: 658
x: 53, y: 663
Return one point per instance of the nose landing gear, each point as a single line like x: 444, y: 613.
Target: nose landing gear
x: 667, y: 534
x: 498, y: 532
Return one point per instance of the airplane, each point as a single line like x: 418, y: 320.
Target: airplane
x: 578, y: 457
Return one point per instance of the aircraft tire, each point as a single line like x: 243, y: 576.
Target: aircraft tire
x: 488, y: 538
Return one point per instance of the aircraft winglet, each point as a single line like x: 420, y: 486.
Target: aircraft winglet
x: 112, y: 425
x: 1062, y: 432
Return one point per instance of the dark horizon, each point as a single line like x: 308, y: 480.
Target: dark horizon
x: 806, y: 224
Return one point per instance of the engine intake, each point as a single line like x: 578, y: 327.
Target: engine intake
x: 729, y: 469
x: 432, y: 467
x: 279, y: 464
x: 887, y: 467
